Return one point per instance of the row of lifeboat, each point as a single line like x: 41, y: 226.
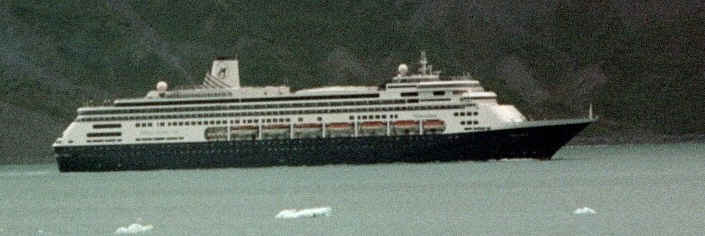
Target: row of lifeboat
x: 337, y: 129
x: 401, y: 124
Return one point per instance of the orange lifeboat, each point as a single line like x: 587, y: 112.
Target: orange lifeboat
x: 433, y: 124
x: 341, y: 126
x: 406, y: 124
x: 372, y: 125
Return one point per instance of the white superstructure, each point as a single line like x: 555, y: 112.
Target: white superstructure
x: 221, y: 110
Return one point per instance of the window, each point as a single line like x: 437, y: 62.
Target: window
x: 439, y: 93
x: 409, y: 94
x: 106, y: 126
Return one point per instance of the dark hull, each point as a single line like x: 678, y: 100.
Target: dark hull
x: 539, y: 142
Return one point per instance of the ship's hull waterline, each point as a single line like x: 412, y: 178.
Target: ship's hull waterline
x: 539, y: 142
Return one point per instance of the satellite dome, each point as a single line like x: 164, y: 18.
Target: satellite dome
x: 162, y: 86
x: 403, y: 69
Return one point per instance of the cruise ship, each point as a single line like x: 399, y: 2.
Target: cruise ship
x: 413, y: 117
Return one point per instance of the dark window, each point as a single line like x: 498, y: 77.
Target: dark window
x: 410, y: 94
x: 439, y: 93
x: 106, y: 126
x: 90, y: 135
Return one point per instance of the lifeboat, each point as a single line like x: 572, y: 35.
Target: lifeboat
x: 406, y: 124
x: 433, y: 124
x: 405, y: 127
x: 243, y: 130
x: 372, y: 125
x: 309, y: 130
x: 340, y: 129
x: 278, y: 128
x: 339, y: 126
x: 216, y: 133
x: 308, y: 127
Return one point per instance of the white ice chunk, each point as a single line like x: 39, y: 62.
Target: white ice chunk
x: 303, y: 213
x: 584, y: 211
x: 133, y: 229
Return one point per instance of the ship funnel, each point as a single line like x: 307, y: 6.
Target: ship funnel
x: 224, y: 73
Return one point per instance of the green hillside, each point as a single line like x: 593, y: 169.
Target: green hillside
x: 641, y: 65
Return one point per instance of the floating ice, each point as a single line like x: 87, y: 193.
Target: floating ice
x: 584, y: 211
x: 303, y: 213
x: 133, y: 229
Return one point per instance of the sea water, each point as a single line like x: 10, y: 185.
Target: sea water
x: 585, y: 190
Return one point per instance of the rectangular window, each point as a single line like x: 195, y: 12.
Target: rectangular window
x: 109, y: 134
x: 439, y: 93
x: 410, y: 94
x: 106, y: 126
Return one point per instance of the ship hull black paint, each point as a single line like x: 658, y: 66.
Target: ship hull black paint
x: 529, y: 142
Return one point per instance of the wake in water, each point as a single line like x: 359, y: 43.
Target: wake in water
x: 303, y: 213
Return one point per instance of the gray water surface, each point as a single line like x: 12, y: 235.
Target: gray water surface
x: 634, y: 189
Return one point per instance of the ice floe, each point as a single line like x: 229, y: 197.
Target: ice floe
x: 584, y: 211
x: 133, y: 229
x: 303, y: 213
